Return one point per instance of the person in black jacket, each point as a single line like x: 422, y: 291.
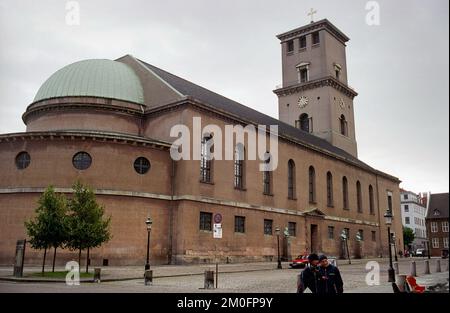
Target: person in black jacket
x: 310, y: 277
x: 331, y: 280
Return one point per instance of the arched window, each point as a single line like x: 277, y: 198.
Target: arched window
x: 312, y: 185
x: 239, y: 156
x: 343, y: 123
x: 205, y: 158
x: 291, y: 179
x: 371, y: 204
x: 359, y: 197
x: 304, y: 122
x: 329, y: 189
x: 345, y: 192
x: 267, y: 175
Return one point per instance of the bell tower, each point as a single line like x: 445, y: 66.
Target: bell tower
x: 314, y: 95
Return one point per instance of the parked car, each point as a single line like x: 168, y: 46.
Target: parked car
x: 420, y: 252
x: 299, y: 262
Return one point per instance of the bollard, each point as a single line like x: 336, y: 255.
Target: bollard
x: 148, y: 277
x: 97, y: 272
x: 427, y: 267
x: 209, y: 279
x: 401, y: 282
x: 413, y: 269
x: 396, y: 268
x: 438, y: 266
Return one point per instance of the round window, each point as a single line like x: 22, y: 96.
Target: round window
x: 82, y: 160
x: 141, y: 165
x: 23, y: 159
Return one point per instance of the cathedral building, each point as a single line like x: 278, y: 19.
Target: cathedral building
x: 108, y: 124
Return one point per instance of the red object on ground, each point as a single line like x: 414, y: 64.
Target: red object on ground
x: 300, y: 261
x: 415, y: 288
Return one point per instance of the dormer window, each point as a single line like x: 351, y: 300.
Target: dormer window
x: 436, y: 212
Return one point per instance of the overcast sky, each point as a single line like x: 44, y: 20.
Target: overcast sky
x: 400, y: 68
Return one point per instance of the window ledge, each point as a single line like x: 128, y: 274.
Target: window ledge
x: 205, y: 231
x: 330, y: 206
x: 240, y: 189
x: 315, y: 45
x: 290, y: 53
x: 302, y: 49
x: 312, y: 202
x: 347, y: 209
x: 268, y: 194
x: 292, y: 199
x: 239, y: 233
x: 206, y: 182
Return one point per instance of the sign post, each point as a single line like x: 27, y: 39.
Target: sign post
x: 20, y: 256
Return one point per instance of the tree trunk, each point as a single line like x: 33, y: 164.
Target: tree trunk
x: 87, y: 261
x: 54, y: 258
x: 43, y: 262
x: 79, y: 258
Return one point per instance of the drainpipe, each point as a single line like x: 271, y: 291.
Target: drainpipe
x: 171, y: 213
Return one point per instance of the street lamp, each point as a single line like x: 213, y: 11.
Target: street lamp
x: 388, y: 221
x: 345, y: 239
x: 149, y: 223
x: 277, y: 231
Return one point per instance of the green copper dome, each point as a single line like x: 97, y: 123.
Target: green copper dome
x: 95, y: 78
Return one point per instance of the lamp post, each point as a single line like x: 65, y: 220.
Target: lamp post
x: 428, y: 248
x: 149, y: 223
x: 344, y: 238
x: 388, y: 221
x: 277, y: 231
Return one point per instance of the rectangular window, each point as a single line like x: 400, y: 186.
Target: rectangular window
x: 374, y: 235
x: 435, y: 242
x: 405, y: 197
x: 290, y: 46
x: 206, y: 221
x: 292, y: 227
x: 303, y: 75
x: 315, y: 38
x: 406, y: 208
x: 407, y: 220
x: 390, y: 203
x: 239, y: 224
x: 445, y: 227
x: 361, y: 234
x: 330, y: 232
x: 347, y: 233
x: 302, y: 42
x: 338, y: 72
x: 205, y: 159
x: 268, y: 227
x: 445, y: 242
x: 434, y: 227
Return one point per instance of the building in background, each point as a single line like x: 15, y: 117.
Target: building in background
x: 437, y: 224
x: 414, y: 211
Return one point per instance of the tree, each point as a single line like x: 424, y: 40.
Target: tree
x: 408, y: 236
x: 88, y: 228
x: 49, y: 226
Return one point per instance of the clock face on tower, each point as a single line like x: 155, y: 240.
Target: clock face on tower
x: 302, y: 102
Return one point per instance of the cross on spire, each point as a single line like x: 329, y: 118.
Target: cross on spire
x: 311, y: 13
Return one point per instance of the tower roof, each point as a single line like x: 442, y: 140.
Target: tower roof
x: 322, y: 24
x: 95, y: 77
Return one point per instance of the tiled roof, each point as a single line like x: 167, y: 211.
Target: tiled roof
x: 438, y: 207
x: 222, y: 103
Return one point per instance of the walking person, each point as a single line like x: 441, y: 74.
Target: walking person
x: 310, y: 277
x: 331, y: 280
